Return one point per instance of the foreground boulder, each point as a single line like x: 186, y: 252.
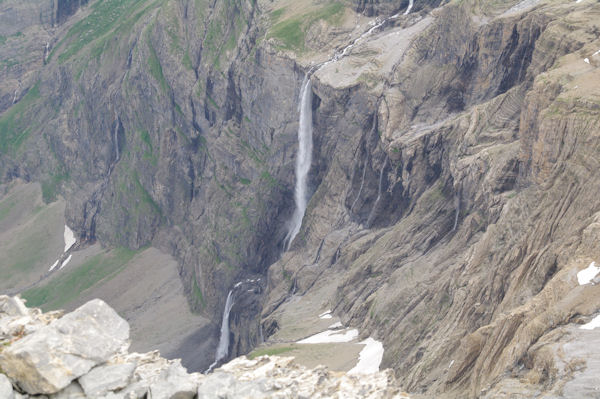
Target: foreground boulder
x: 47, y: 360
x: 6, y: 391
x: 84, y: 355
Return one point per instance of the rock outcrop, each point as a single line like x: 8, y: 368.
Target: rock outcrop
x: 83, y: 354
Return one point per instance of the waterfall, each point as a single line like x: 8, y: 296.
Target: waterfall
x: 457, y: 212
x: 410, y: 6
x: 223, y: 347
x: 362, y: 183
x: 303, y: 160
x: 379, y: 189
x: 46, y: 52
x: 116, y: 138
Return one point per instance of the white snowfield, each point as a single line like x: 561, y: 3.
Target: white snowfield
x: 66, y: 261
x: 70, y: 239
x: 369, y: 358
x: 326, y: 315
x: 586, y: 275
x: 53, y: 266
x: 595, y: 323
x: 331, y: 336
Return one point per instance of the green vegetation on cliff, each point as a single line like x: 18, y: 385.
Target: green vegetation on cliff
x: 16, y: 123
x: 67, y: 286
x: 291, y: 31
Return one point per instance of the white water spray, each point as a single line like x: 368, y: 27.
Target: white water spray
x: 410, y: 6
x: 116, y: 138
x: 303, y: 160
x: 457, y: 212
x: 223, y: 347
x: 46, y: 52
x: 362, y: 183
x: 379, y: 189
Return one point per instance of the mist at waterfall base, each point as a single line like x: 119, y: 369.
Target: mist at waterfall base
x: 223, y: 347
x: 303, y: 160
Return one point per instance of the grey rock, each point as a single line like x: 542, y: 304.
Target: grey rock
x: 73, y: 391
x: 173, y: 383
x: 109, y: 377
x: 49, y: 359
x: 224, y: 385
x: 6, y: 390
x: 13, y: 306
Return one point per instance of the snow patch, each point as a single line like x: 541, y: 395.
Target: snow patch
x: 335, y: 325
x: 325, y: 315
x: 70, y: 239
x: 595, y: 323
x: 53, y: 266
x: 596, y: 53
x: 65, y: 262
x: 331, y: 336
x: 586, y: 60
x: 585, y: 276
x: 369, y: 358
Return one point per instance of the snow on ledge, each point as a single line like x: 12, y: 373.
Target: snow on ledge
x: 335, y: 325
x: 331, y: 336
x: 53, y: 266
x: 585, y: 276
x: 70, y: 239
x: 326, y: 315
x: 65, y: 262
x: 369, y: 358
x: 595, y: 323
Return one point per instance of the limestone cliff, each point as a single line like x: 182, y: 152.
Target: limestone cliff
x: 455, y: 148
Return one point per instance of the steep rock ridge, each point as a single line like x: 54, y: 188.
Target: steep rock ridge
x: 84, y: 354
x: 63, y: 9
x: 27, y: 35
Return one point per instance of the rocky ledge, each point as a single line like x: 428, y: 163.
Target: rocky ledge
x: 83, y: 354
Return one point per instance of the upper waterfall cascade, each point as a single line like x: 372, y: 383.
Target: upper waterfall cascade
x: 305, y: 131
x: 303, y: 161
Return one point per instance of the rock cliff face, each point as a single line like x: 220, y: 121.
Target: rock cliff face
x: 453, y: 185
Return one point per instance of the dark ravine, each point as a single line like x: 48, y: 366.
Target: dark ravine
x: 450, y: 183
